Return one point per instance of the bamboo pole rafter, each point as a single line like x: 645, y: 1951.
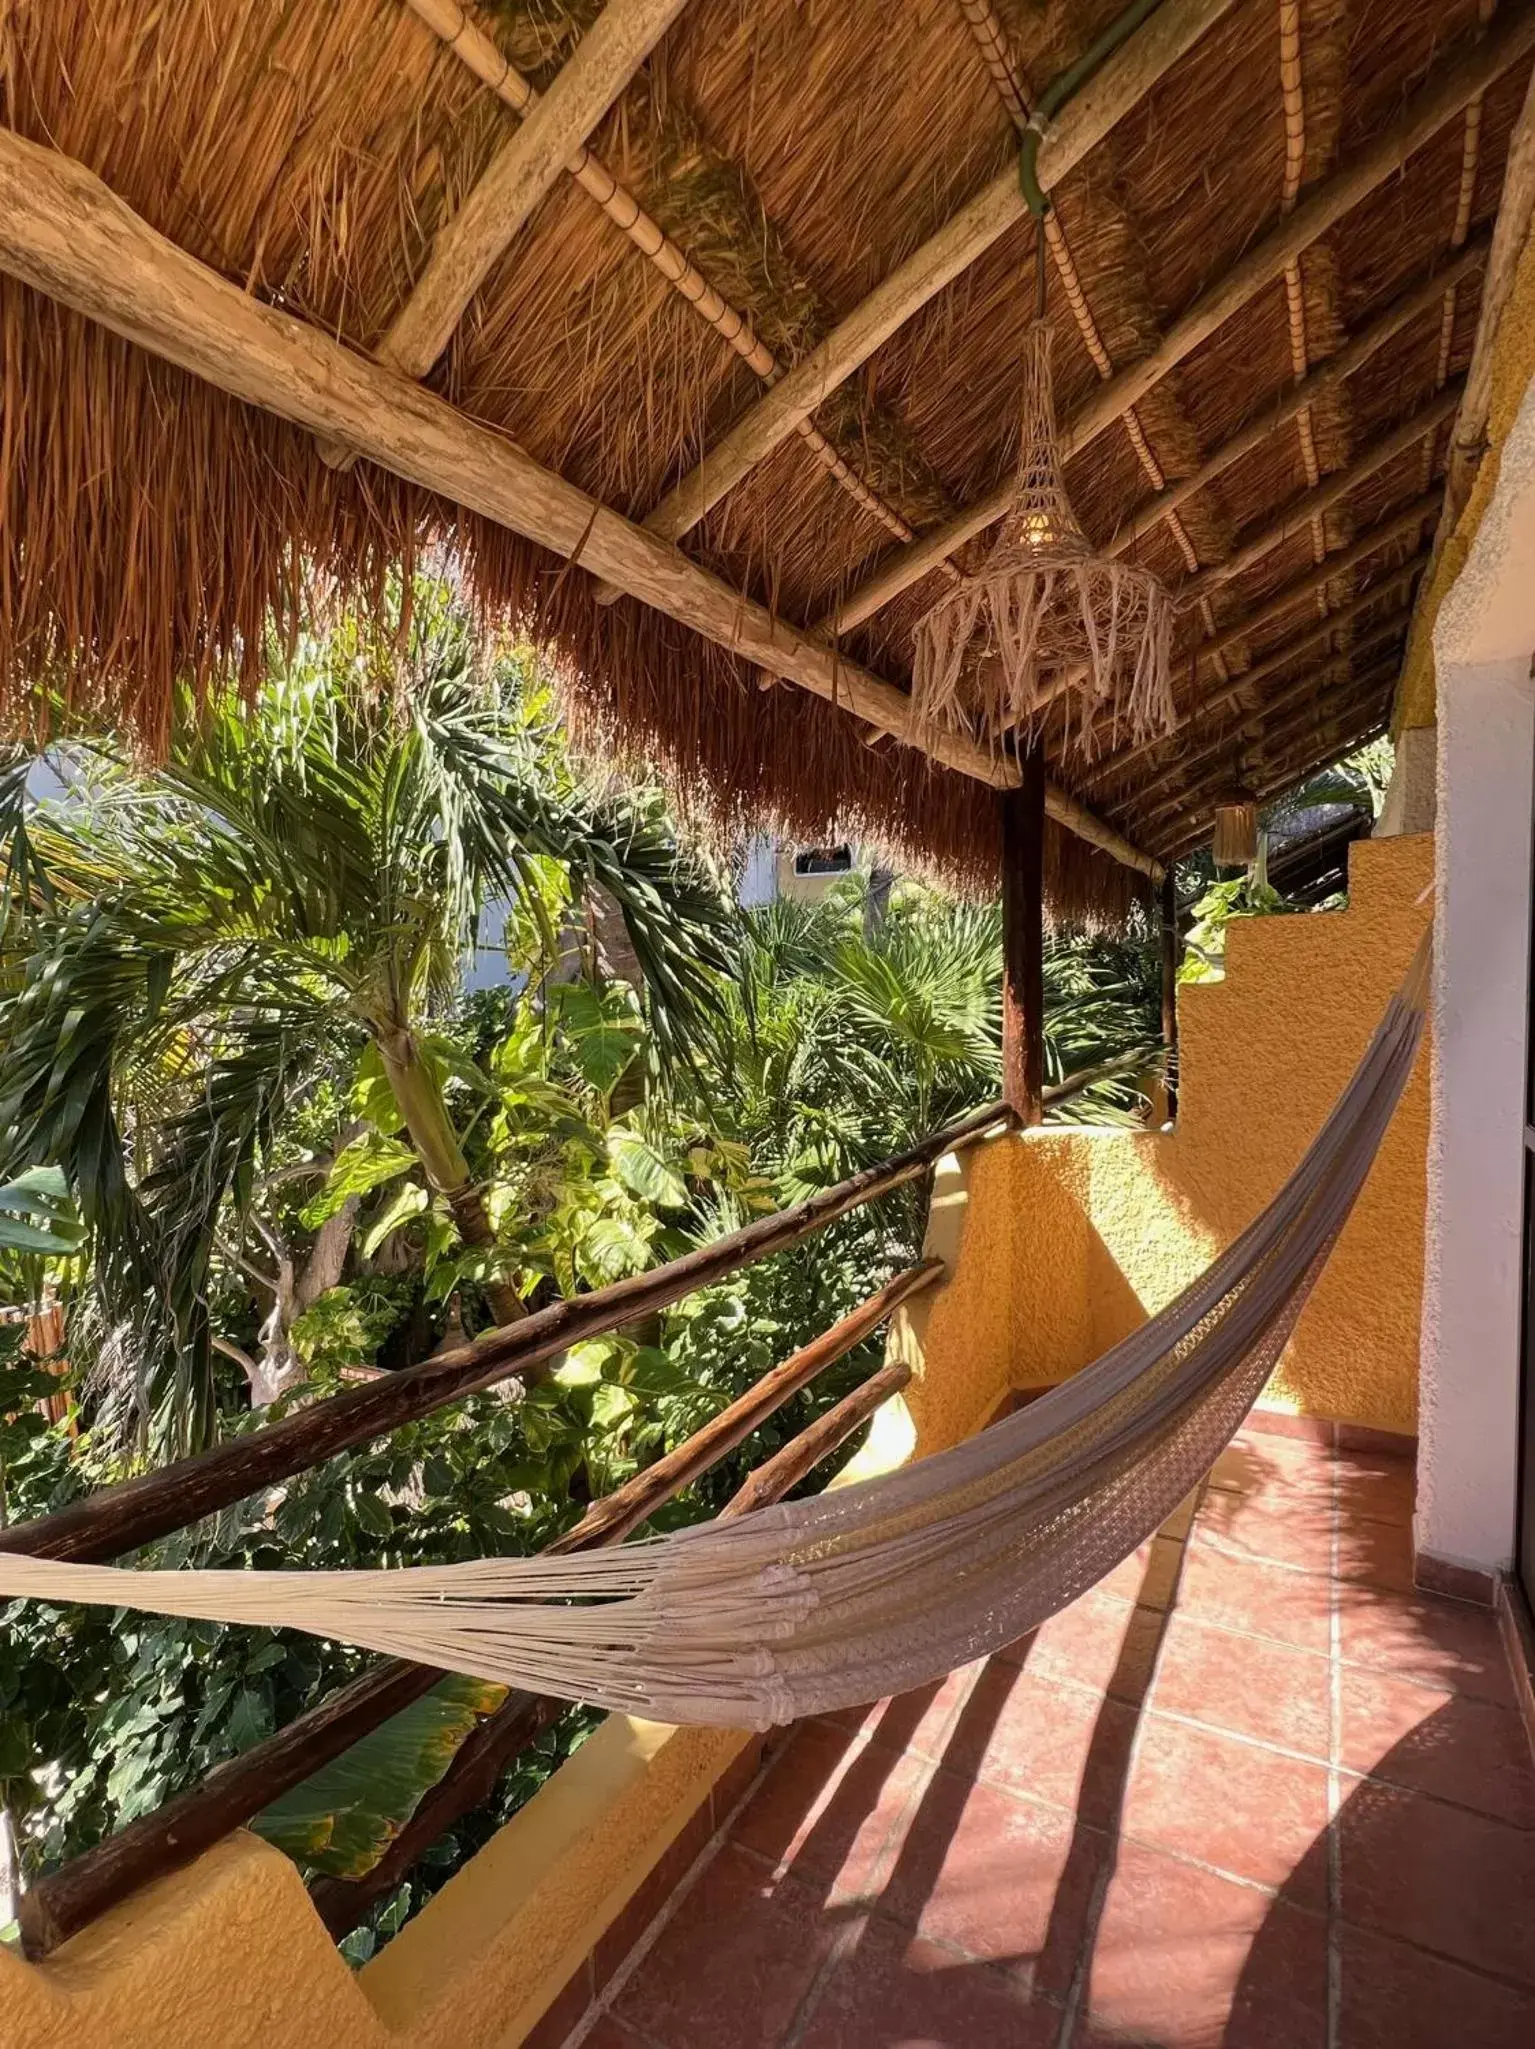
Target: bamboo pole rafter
x: 555, y: 125
x: 1319, y: 694
x: 1123, y: 82
x: 63, y: 232
x: 455, y: 27
x: 1436, y: 103
x: 1311, y: 505
x: 1404, y: 523
x: 1318, y: 382
x: 1272, y: 664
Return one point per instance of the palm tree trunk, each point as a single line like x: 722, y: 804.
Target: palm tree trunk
x: 420, y: 1103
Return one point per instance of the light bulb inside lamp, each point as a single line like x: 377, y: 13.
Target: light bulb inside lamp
x: 1038, y: 530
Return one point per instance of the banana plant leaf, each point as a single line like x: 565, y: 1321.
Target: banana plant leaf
x: 343, y: 1819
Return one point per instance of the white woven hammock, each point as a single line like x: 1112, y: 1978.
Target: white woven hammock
x: 877, y: 1587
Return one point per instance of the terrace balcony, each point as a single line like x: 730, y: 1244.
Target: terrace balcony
x: 1269, y: 1782
x: 1269, y: 1785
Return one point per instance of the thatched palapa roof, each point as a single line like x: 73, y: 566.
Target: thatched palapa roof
x: 701, y: 326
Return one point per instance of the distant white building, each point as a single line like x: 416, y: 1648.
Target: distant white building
x: 775, y: 869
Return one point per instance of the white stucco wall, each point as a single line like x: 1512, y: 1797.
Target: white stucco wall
x: 1469, y: 1406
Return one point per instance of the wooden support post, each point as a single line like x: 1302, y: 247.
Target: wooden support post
x: 1023, y: 943
x: 1170, y: 988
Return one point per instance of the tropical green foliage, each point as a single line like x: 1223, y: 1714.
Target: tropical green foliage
x: 196, y: 949
x: 259, y: 1136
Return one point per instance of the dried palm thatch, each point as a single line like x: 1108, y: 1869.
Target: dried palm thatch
x: 155, y: 532
x: 1046, y: 616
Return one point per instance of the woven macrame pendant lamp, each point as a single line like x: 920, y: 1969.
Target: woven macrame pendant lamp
x: 1046, y: 617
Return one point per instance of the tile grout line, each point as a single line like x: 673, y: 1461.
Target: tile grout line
x: 846, y: 1938
x: 1077, y: 1991
x: 1189, y: 1862
x: 1334, y: 1778
x: 651, y: 1933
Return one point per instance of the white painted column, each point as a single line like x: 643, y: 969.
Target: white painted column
x: 1468, y: 1434
x: 1469, y: 1390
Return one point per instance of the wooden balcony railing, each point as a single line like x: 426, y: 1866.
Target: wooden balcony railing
x: 120, y: 1518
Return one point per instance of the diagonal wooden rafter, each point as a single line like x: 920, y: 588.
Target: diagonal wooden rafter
x: 1311, y: 505
x: 1253, y: 762
x: 449, y: 22
x: 1401, y: 523
x: 1268, y: 779
x: 64, y: 233
x: 1309, y: 694
x: 992, y: 42
x: 1272, y: 664
x: 1297, y: 397
x: 1123, y: 82
x: 527, y: 166
x: 1435, y: 103
x: 1270, y: 726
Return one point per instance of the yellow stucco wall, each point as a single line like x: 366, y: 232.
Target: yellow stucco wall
x: 1063, y: 1240
x: 1513, y: 366
x: 229, y: 1954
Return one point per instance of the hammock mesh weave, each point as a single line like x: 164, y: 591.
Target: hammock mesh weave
x: 873, y: 1588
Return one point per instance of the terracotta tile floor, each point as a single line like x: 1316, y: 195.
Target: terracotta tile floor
x: 1252, y: 1792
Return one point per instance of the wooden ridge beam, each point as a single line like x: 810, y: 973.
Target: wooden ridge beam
x: 526, y: 167
x: 1297, y: 516
x: 63, y: 232
x: 1083, y: 123
x: 1424, y: 115
x: 1272, y: 664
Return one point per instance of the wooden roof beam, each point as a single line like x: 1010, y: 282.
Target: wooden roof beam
x: 1303, y: 393
x: 474, y: 49
x: 1273, y: 664
x: 1296, y: 769
x: 1087, y: 118
x: 1424, y: 115
x: 1311, y: 694
x: 1245, y: 763
x: 526, y: 167
x: 63, y: 232
x: 1296, y: 517
x: 1394, y: 526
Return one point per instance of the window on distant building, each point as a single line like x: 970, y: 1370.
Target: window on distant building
x: 824, y: 860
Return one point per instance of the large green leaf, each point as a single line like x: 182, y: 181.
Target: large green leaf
x: 37, y: 1214
x: 367, y: 1163
x: 643, y: 1171
x: 343, y: 1819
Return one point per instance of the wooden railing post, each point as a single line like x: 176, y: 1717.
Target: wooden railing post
x: 1170, y: 988
x: 1023, y: 942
